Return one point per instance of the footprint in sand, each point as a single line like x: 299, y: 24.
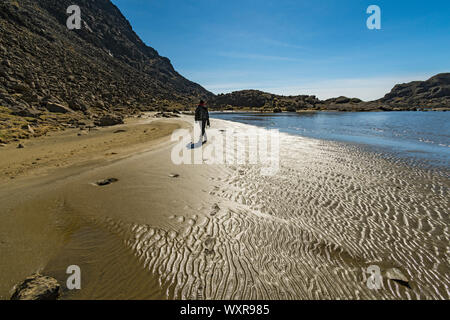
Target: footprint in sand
x: 179, y: 219
x: 209, y: 245
x: 215, y: 209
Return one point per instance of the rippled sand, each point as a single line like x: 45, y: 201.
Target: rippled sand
x: 227, y: 232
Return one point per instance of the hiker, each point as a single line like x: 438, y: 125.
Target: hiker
x: 202, y: 118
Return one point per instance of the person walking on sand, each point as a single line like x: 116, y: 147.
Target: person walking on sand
x: 202, y: 118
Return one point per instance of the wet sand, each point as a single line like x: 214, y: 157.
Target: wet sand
x: 224, y: 231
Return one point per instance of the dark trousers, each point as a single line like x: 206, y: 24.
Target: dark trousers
x: 202, y: 125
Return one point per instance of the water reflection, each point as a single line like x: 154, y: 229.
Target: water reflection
x: 411, y: 134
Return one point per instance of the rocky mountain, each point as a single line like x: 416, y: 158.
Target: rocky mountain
x: 431, y: 94
x: 55, y: 75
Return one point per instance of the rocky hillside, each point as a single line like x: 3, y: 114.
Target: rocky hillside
x: 254, y: 99
x: 434, y: 92
x: 267, y: 102
x: 431, y: 94
x: 52, y: 75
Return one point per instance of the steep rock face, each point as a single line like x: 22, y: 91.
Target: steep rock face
x: 434, y: 92
x: 104, y: 67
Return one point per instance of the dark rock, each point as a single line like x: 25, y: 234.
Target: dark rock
x: 85, y: 123
x: 106, y: 182
x: 37, y: 287
x: 109, y: 120
x: 20, y: 146
x: 30, y: 112
x: 57, y: 108
x: 291, y: 109
x: 166, y: 115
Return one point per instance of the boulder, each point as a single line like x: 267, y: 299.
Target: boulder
x: 26, y: 112
x: 291, y: 109
x: 109, y: 120
x: 166, y: 115
x: 57, y: 108
x: 37, y: 287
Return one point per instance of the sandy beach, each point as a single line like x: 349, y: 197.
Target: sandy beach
x: 163, y: 231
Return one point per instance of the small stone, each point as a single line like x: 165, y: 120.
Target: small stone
x: 174, y: 175
x: 20, y: 146
x: 106, y: 182
x: 396, y: 275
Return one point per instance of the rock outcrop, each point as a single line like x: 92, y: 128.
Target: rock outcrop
x: 109, y: 120
x: 433, y: 93
x: 37, y: 287
x: 263, y: 101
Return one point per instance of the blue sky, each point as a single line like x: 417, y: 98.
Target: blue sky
x: 296, y: 47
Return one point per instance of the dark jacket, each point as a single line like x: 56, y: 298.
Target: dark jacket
x: 201, y: 113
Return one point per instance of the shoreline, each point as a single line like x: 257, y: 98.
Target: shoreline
x: 411, y: 156
x: 250, y: 110
x: 43, y: 155
x: 208, y: 233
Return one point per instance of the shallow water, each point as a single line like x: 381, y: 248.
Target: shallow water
x: 420, y: 135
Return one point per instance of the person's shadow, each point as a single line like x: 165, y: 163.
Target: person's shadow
x: 197, y: 145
